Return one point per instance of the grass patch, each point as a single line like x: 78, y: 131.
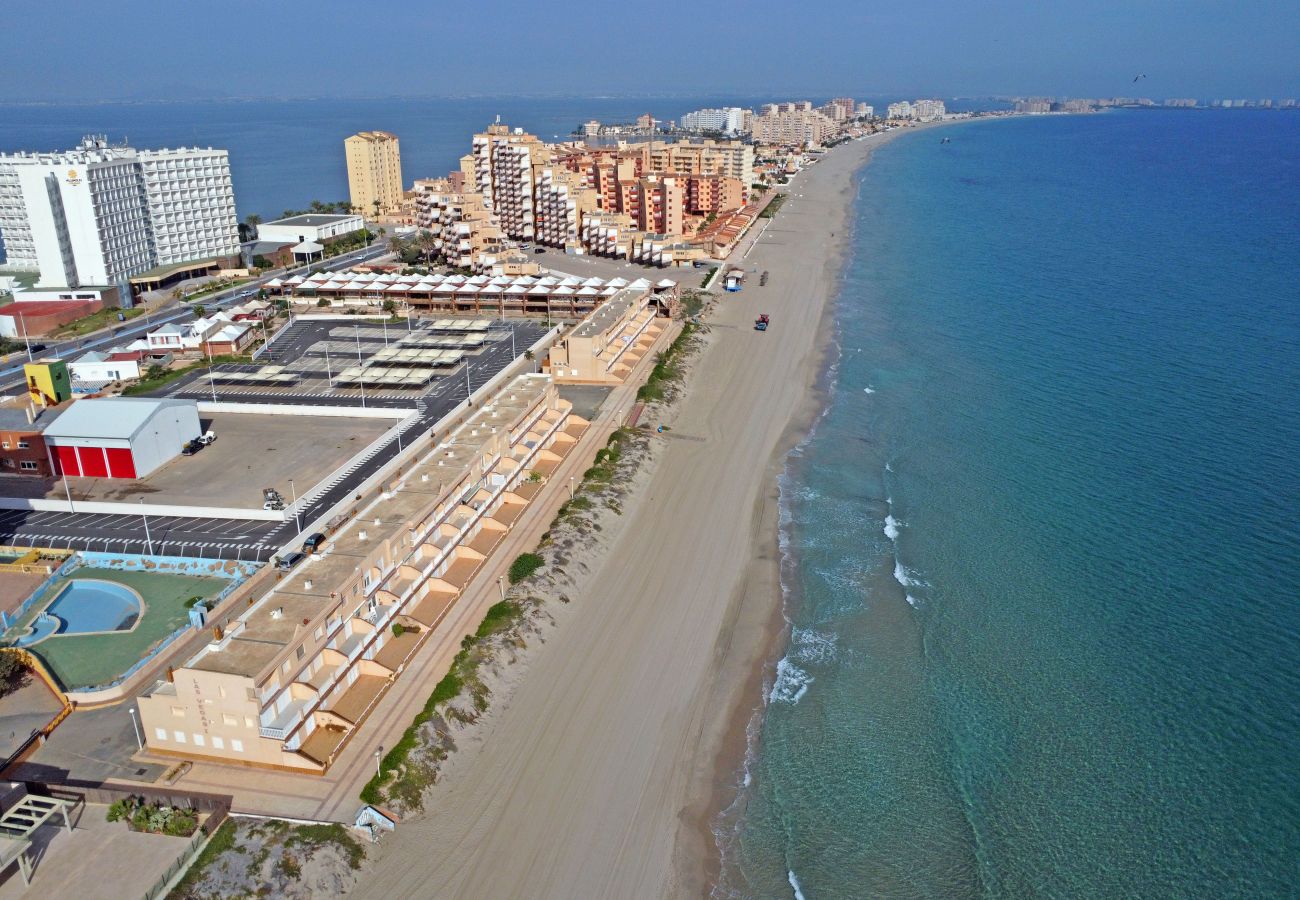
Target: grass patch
x: 693, y: 301
x: 82, y: 660
x: 499, y: 616
x: 317, y: 835
x: 95, y: 321
x: 666, y: 371
x: 398, y: 778
x: 773, y: 207
x: 221, y: 842
x: 525, y: 564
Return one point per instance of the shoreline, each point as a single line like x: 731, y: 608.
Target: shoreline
x: 597, y: 776
x: 700, y: 869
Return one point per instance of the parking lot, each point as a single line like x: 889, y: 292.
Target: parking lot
x: 251, y: 452
x: 245, y: 539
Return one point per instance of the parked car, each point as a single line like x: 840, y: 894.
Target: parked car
x: 540, y: 250
x: 207, y: 437
x: 313, y: 542
x: 192, y: 447
x: 285, y: 563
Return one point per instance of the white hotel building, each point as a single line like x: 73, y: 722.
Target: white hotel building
x: 728, y: 120
x: 100, y: 214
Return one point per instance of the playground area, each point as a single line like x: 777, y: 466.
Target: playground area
x: 102, y: 621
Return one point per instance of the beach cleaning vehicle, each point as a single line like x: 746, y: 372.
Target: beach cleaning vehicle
x: 761, y: 323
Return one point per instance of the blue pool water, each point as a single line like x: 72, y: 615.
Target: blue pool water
x: 89, y: 605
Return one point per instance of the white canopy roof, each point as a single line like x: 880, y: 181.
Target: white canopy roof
x: 618, y: 282
x: 666, y: 283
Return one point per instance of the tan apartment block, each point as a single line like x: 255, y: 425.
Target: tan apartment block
x: 502, y: 163
x: 713, y: 193
x: 285, y: 681
x: 733, y: 159
x: 374, y: 172
x: 563, y: 198
x: 605, y: 346
x: 792, y: 124
x: 462, y: 225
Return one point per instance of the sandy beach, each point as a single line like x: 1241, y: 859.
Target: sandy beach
x: 601, y: 774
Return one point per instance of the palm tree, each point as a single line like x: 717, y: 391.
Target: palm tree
x: 253, y: 220
x: 396, y: 245
x: 427, y: 243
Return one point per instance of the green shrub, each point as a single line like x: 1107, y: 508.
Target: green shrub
x: 398, y: 629
x: 525, y: 564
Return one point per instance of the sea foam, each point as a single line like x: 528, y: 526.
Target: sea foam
x: 891, y: 527
x: 794, y: 885
x: 791, y: 683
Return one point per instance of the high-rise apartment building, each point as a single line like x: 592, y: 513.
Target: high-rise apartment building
x: 100, y: 214
x: 730, y: 158
x: 728, y: 120
x: 501, y: 163
x: 791, y: 123
x: 926, y: 110
x: 374, y: 172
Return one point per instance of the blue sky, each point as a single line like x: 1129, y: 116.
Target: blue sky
x: 147, y: 49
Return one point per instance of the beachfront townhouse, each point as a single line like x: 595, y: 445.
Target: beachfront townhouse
x: 288, y: 677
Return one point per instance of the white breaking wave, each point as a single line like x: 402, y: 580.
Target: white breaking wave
x: 913, y: 602
x: 902, y: 576
x: 891, y: 527
x: 812, y: 646
x: 888, y: 467
x: 794, y: 885
x: 868, y: 390
x: 791, y: 683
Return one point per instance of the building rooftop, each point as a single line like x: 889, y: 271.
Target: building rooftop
x: 14, y: 418
x: 608, y: 314
x: 314, y: 589
x: 109, y: 417
x: 314, y: 220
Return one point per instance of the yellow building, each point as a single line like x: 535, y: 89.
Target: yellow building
x: 374, y: 172
x: 48, y: 383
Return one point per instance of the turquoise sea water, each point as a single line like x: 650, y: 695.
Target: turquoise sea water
x: 1043, y: 548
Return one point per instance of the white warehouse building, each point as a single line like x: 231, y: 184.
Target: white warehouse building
x: 120, y: 437
x: 100, y: 214
x: 316, y: 228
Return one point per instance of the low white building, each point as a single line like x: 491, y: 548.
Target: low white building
x: 319, y: 229
x: 181, y: 337
x: 120, y: 437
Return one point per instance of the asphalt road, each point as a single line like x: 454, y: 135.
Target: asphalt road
x: 245, y: 539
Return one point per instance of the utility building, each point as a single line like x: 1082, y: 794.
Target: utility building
x: 120, y: 437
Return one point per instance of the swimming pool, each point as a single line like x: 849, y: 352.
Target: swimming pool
x: 87, y: 605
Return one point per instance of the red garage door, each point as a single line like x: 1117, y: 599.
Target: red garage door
x: 120, y: 462
x: 67, y: 459
x: 92, y: 462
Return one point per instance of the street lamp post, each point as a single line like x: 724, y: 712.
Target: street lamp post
x: 147, y: 539
x: 361, y: 366
x: 297, y: 514
x: 139, y: 741
x: 212, y: 376
x: 379, y: 755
